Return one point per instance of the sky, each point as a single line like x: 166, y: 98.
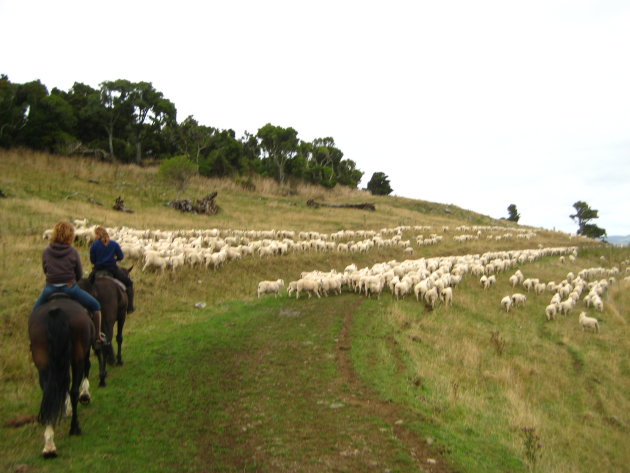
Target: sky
x: 479, y: 104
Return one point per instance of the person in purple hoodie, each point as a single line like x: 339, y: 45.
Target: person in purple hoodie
x: 104, y: 253
x: 62, y: 266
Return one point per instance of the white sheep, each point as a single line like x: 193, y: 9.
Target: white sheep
x: 431, y: 297
x: 551, y: 310
x: 518, y: 299
x: 588, y: 322
x: 309, y: 286
x: 506, y: 303
x: 270, y: 287
x: 446, y: 296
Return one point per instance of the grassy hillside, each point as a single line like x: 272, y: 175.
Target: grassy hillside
x: 463, y: 381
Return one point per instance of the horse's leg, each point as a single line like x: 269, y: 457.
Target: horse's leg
x: 102, y: 364
x: 78, y: 372
x: 84, y: 392
x: 50, y: 450
x: 119, y: 337
x: 68, y: 406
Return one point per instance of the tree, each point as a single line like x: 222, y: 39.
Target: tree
x: 379, y: 184
x: 114, y: 98
x: 191, y: 138
x: 583, y: 215
x: 178, y: 171
x: 150, y: 113
x: 279, y: 145
x: 514, y: 215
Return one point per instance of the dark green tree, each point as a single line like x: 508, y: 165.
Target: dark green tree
x: 583, y: 215
x: 379, y: 184
x: 348, y: 174
x: 13, y: 111
x: 191, y: 138
x: 513, y: 216
x: 151, y: 112
x: 279, y: 146
x: 116, y: 109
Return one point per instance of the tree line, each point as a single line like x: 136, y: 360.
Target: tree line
x: 132, y: 122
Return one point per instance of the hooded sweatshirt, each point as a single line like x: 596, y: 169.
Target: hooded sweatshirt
x: 62, y: 264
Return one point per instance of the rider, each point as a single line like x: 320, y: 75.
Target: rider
x: 62, y: 267
x: 104, y: 253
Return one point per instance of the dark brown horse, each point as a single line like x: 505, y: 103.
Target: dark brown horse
x: 61, y: 333
x: 113, y: 299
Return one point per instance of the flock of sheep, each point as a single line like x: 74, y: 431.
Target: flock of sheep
x: 430, y: 280
x: 212, y: 248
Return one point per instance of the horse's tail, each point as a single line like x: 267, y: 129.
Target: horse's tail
x: 55, y: 378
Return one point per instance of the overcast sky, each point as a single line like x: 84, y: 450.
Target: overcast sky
x: 480, y: 104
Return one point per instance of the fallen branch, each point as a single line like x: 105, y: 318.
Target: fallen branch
x: 207, y: 205
x: 364, y: 206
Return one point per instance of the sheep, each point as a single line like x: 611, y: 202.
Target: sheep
x: 540, y: 288
x: 566, y: 306
x: 374, y: 285
x: 506, y: 303
x: 597, y: 303
x: 446, y: 296
x: 309, y: 286
x: 431, y: 297
x: 269, y: 287
x: 518, y: 299
x: 291, y: 288
x: 588, y: 322
x: 513, y: 280
x: 154, y: 260
x: 402, y: 288
x: 551, y: 310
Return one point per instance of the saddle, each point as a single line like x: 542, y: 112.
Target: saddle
x: 58, y: 295
x: 102, y: 273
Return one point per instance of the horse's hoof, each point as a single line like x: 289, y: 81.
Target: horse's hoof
x: 102, y: 383
x: 119, y: 363
x: 49, y: 454
x: 75, y: 431
x: 85, y: 399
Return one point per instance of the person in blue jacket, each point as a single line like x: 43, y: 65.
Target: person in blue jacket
x: 104, y: 254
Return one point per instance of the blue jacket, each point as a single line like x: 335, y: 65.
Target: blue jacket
x: 101, y: 255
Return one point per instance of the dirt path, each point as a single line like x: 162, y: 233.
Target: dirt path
x: 426, y: 458
x: 295, y: 404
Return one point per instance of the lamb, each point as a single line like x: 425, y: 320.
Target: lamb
x: 566, y: 306
x: 588, y: 322
x: 551, y: 310
x: 518, y: 299
x: 506, y: 303
x: 270, y: 287
x: 446, y: 296
x: 431, y: 297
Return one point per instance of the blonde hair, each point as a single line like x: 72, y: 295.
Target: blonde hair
x: 101, y: 234
x: 63, y: 232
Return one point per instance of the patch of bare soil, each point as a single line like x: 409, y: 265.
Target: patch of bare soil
x: 292, y: 402
x: 428, y: 459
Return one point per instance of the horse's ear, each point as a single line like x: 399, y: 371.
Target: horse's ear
x: 129, y: 270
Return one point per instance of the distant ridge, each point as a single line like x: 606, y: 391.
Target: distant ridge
x: 619, y: 240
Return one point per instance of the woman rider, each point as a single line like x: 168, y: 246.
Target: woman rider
x: 104, y: 253
x: 62, y: 267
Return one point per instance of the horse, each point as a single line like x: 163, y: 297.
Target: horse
x: 112, y: 296
x: 61, y: 334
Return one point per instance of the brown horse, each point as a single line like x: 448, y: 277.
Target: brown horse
x: 113, y: 299
x: 61, y: 333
